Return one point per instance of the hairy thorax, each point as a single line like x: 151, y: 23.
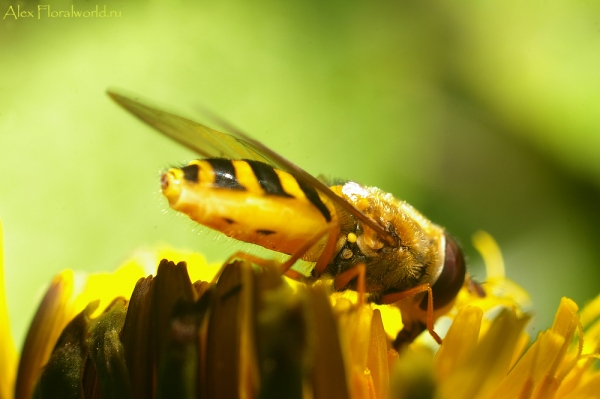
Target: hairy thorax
x: 417, y: 257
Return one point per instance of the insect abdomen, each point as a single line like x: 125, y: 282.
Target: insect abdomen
x: 248, y: 200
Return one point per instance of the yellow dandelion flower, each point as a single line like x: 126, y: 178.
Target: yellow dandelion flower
x: 488, y: 359
x: 142, y: 332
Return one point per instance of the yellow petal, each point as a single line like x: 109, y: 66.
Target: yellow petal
x: 8, y: 359
x: 588, y: 390
x: 459, y: 343
x: 489, y: 250
x: 590, y: 321
x: 377, y: 359
x: 197, y: 267
x: 577, y: 376
x: 489, y: 362
x: 46, y: 327
x: 412, y: 375
x: 539, y: 373
x: 328, y: 375
x: 590, y: 312
x: 107, y: 286
x: 356, y: 326
x: 565, y: 324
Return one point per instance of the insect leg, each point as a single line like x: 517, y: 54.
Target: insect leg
x: 285, y: 267
x: 325, y: 255
x: 358, y: 271
x: 411, y: 330
x: 329, y: 249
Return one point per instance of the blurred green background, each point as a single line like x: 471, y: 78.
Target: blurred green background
x: 483, y: 115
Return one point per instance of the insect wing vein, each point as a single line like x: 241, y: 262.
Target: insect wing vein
x: 205, y: 141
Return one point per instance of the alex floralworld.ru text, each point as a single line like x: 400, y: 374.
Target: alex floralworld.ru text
x: 45, y: 11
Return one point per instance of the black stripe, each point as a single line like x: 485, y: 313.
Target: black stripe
x: 265, y: 232
x: 190, y: 173
x: 225, y: 174
x: 313, y: 197
x: 268, y: 179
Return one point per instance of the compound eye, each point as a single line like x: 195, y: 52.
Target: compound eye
x: 451, y: 279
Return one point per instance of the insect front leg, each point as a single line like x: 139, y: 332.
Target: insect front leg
x: 359, y: 271
x: 332, y: 232
x: 412, y: 327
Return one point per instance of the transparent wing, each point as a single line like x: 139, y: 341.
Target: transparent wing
x: 202, y: 139
x: 210, y: 143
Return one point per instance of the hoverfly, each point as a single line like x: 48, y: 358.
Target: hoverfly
x: 249, y: 192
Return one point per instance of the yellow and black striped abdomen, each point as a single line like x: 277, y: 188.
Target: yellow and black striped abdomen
x: 249, y: 201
